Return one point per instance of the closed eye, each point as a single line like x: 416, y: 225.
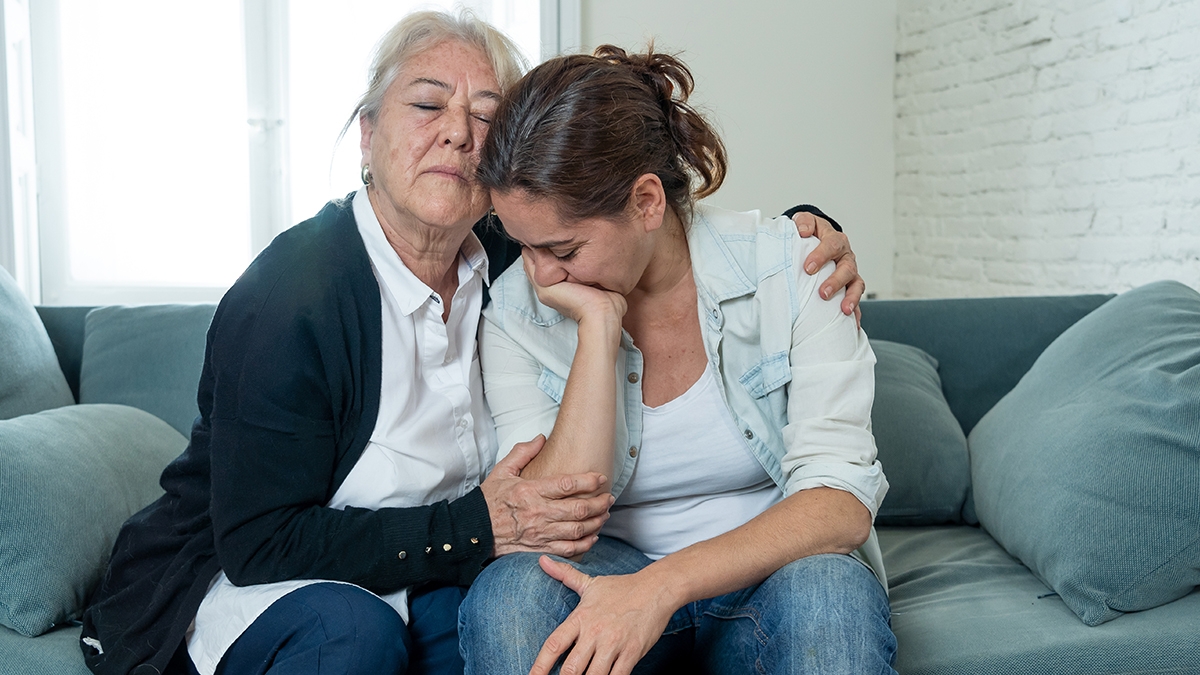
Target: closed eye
x: 566, y: 256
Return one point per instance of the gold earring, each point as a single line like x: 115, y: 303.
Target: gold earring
x: 366, y: 174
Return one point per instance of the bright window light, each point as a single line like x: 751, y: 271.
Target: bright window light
x: 154, y: 117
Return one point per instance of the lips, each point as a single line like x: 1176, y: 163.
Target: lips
x: 449, y: 171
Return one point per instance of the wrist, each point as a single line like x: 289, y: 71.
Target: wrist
x: 602, y: 325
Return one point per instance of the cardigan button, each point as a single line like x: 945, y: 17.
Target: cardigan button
x: 428, y: 549
x: 402, y: 555
x: 474, y: 540
x: 445, y: 547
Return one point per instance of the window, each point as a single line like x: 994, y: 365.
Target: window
x: 175, y: 139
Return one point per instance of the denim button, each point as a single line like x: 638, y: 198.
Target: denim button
x: 749, y: 435
x: 633, y: 451
x: 633, y: 378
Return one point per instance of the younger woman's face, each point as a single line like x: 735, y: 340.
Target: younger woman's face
x: 607, y: 253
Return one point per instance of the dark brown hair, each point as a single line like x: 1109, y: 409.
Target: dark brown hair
x: 579, y: 130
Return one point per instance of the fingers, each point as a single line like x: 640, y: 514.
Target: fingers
x: 854, y: 294
x: 559, y: 642
x: 843, y: 275
x: 520, y: 456
x: 569, y: 484
x: 806, y: 224
x: 565, y: 574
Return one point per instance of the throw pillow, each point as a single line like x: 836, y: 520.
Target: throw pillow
x: 146, y: 357
x: 69, y: 478
x: 921, y: 445
x: 30, y: 377
x: 1088, y: 471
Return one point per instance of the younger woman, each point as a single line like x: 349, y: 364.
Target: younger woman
x: 681, y: 350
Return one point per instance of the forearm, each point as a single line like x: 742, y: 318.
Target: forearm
x: 582, y: 439
x: 810, y: 522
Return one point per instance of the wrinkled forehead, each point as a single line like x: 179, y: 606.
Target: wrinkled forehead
x: 450, y: 66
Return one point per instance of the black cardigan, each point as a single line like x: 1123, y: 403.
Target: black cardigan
x: 288, y: 398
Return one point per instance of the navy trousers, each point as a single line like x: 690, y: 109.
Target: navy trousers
x: 337, y: 629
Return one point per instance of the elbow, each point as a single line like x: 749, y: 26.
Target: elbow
x: 856, y: 521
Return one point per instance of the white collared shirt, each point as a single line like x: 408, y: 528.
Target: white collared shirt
x: 433, y: 439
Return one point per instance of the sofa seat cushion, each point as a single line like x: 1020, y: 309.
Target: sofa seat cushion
x: 921, y: 446
x: 69, y: 477
x: 961, y: 605
x: 146, y: 357
x: 30, y: 378
x: 1088, y: 471
x: 55, y: 653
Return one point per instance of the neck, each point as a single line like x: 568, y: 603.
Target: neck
x: 670, y: 266
x: 428, y: 251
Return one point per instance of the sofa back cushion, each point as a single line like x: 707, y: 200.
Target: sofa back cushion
x: 921, y: 446
x: 69, y: 478
x: 30, y: 378
x: 1088, y: 471
x: 146, y: 357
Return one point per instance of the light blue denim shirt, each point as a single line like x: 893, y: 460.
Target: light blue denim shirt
x: 796, y: 374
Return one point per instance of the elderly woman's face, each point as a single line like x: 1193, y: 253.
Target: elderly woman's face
x: 423, y: 145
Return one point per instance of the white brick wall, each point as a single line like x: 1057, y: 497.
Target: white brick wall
x: 1046, y: 147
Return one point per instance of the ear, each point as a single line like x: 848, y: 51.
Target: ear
x: 649, y: 201
x: 364, y: 125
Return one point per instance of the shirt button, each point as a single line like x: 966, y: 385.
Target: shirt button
x: 633, y: 378
x: 445, y: 547
x: 749, y: 435
x: 402, y: 555
x: 633, y: 451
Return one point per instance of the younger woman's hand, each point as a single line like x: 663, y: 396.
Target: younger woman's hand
x: 575, y: 300
x: 618, y: 620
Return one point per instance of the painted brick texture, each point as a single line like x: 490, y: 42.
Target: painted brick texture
x: 1046, y: 147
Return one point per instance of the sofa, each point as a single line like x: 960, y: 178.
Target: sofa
x: 998, y: 559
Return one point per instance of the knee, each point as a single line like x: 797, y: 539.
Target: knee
x: 511, y: 609
x: 356, y: 628
x: 833, y: 602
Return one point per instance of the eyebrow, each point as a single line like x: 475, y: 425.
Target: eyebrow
x: 553, y: 244
x: 483, y: 93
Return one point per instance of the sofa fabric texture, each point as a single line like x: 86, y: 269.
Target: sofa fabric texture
x: 146, y: 357
x: 30, y: 379
x: 921, y: 446
x: 1088, y: 471
x: 69, y: 477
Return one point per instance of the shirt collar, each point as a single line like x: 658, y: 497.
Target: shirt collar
x: 714, y: 264
x: 409, y: 292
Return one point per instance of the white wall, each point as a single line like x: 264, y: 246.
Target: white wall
x: 1046, y: 146
x: 802, y: 92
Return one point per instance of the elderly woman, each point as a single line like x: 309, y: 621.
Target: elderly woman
x: 681, y: 350
x: 339, y: 494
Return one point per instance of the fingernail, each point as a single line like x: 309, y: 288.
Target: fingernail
x: 825, y: 291
x: 851, y: 310
x: 810, y: 268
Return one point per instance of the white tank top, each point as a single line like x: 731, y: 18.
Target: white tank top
x: 695, y: 476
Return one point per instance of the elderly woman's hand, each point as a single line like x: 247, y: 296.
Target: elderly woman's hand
x: 834, y: 246
x: 549, y: 515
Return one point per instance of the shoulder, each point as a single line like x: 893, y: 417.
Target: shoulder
x: 746, y: 244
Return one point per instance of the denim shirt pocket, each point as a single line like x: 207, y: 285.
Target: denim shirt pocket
x: 771, y: 373
x: 552, y: 385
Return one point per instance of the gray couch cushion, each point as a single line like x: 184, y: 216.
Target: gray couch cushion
x: 921, y: 446
x: 30, y: 378
x: 69, y: 478
x: 1088, y: 471
x: 55, y: 653
x: 146, y: 357
x: 962, y: 606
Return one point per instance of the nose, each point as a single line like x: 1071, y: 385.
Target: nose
x: 547, y: 270
x: 456, y: 128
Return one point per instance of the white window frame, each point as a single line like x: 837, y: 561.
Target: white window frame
x: 33, y: 230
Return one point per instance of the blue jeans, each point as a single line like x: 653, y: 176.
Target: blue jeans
x: 338, y: 629
x: 822, y: 614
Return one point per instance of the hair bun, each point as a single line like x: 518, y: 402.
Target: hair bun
x: 670, y: 79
